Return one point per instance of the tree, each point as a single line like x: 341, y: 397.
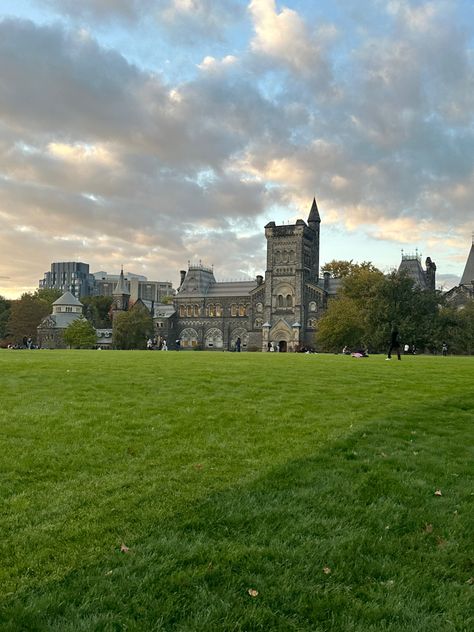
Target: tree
x: 80, y: 334
x: 5, y: 305
x: 97, y: 310
x: 48, y: 294
x: 370, y: 304
x: 26, y: 314
x: 132, y: 328
x: 339, y: 268
x: 341, y: 325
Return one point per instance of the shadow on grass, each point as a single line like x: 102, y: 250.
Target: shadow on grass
x: 351, y: 539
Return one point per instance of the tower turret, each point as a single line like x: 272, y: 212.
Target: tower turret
x: 121, y: 295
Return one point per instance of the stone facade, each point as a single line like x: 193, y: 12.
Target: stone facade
x: 66, y: 309
x: 280, y: 309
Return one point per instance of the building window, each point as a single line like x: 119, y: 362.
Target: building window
x: 182, y: 311
x: 189, y: 310
x: 280, y: 300
x: 212, y: 311
x: 289, y: 300
x: 258, y: 323
x: 259, y: 308
x: 218, y: 310
x: 241, y: 310
x: 196, y: 310
x: 233, y: 310
x: 312, y: 306
x: 68, y: 309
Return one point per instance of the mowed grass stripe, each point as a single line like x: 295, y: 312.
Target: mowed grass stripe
x: 224, y: 472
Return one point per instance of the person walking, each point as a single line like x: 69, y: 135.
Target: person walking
x: 394, y: 344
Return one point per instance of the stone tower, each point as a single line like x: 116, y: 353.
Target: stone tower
x: 121, y: 296
x: 292, y: 263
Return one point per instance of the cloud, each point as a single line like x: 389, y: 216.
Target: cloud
x: 122, y: 164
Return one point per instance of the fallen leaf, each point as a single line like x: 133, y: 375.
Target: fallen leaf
x: 326, y: 570
x: 428, y: 528
x: 124, y: 549
x: 252, y: 592
x: 109, y: 572
x: 438, y: 492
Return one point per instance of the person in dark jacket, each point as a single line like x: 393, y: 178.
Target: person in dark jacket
x: 394, y: 344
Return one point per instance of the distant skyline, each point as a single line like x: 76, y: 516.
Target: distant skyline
x: 150, y: 133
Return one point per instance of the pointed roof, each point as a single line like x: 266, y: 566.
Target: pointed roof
x: 468, y: 274
x: 121, y: 287
x: 314, y: 213
x: 68, y: 299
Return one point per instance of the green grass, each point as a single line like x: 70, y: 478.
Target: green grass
x: 228, y: 472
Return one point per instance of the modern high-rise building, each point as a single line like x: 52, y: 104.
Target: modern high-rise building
x: 69, y: 276
x: 74, y: 277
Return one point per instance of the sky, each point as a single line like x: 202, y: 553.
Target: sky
x: 153, y: 133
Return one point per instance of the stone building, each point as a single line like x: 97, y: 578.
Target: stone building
x: 411, y: 266
x: 66, y: 309
x: 464, y: 292
x: 279, y: 310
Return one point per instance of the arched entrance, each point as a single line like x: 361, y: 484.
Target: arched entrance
x: 283, y: 346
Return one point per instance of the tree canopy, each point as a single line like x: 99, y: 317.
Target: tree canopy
x: 5, y: 305
x: 97, y: 310
x: 132, y: 328
x: 370, y: 303
x: 339, y: 268
x: 26, y: 313
x: 80, y: 334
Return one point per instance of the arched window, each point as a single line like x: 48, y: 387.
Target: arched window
x: 280, y: 300
x: 182, y: 311
x: 259, y: 308
x: 218, y: 310
x: 212, y: 311
x: 258, y: 323
x: 233, y: 310
x: 188, y: 337
x: 214, y: 339
x: 312, y: 306
x: 241, y: 310
x: 289, y: 300
x: 189, y: 310
x: 196, y: 310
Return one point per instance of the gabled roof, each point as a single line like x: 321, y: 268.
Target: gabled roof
x: 68, y: 299
x: 468, y: 274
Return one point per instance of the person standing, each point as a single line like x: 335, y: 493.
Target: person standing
x: 444, y: 349
x: 238, y: 344
x: 394, y: 344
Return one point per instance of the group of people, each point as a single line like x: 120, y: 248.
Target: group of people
x: 152, y: 344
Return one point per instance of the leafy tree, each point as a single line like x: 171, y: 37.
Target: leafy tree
x: 5, y: 305
x: 80, y: 334
x: 339, y: 268
x: 341, y: 325
x: 26, y: 314
x: 49, y: 295
x: 97, y: 310
x: 132, y: 328
x: 370, y: 304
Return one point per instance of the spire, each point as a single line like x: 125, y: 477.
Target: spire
x: 121, y: 287
x: 468, y: 274
x: 314, y: 214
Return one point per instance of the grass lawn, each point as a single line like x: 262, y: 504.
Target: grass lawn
x: 308, y: 480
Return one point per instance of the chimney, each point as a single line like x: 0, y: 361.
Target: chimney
x: 182, y: 274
